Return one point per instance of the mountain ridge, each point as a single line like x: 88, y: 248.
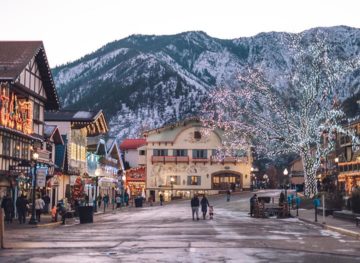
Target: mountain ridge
x: 144, y: 81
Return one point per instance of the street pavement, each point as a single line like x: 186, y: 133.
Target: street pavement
x: 168, y: 234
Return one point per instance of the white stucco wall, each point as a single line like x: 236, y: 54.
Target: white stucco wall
x: 158, y: 174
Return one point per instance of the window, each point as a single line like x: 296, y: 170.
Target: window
x: 36, y: 111
x: 197, y: 135
x: 194, y: 180
x: 16, y: 149
x: 142, y: 152
x: 160, y: 152
x: 180, y: 152
x: 25, y: 151
x: 199, y: 154
x: 6, y: 146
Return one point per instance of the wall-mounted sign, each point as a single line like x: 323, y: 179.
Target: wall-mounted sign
x: 15, y: 113
x: 41, y: 177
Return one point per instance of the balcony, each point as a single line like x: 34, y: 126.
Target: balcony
x: 169, y: 159
x: 348, y: 167
x: 200, y: 160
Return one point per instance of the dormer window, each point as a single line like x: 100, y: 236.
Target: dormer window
x: 197, y: 135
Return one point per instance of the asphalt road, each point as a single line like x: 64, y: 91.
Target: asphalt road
x: 168, y: 234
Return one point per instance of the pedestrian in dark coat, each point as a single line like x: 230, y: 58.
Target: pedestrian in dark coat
x: 228, y: 193
x: 161, y: 199
x: 21, y: 207
x: 195, y: 207
x: 46, y: 199
x: 8, y: 206
x: 204, y: 205
x: 253, y: 201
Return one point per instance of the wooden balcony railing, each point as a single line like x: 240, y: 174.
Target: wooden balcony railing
x: 169, y: 159
x: 353, y: 166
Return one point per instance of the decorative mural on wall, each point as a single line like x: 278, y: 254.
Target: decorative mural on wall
x: 15, y: 113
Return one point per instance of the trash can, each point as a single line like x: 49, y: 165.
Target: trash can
x: 85, y: 214
x: 138, y: 202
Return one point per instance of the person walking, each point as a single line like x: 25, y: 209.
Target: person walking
x: 195, y: 207
x: 99, y: 198
x: 228, y: 193
x: 161, y: 199
x: 46, y: 199
x: 39, y: 206
x: 253, y: 201
x: 8, y: 206
x: 21, y: 207
x: 204, y: 205
x: 106, y: 200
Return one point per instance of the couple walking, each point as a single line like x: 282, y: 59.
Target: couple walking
x: 195, y: 203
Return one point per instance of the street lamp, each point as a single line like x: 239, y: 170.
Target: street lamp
x: 97, y: 174
x: 172, y: 180
x: 253, y: 177
x: 286, y: 199
x: 35, y: 157
x: 123, y: 178
x: 266, y: 179
x: 336, y: 172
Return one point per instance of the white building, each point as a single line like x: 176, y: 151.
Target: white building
x: 133, y: 151
x: 181, y: 161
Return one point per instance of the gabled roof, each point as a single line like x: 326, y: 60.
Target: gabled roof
x: 52, y: 132
x: 15, y: 55
x: 129, y: 144
x: 94, y: 120
x: 113, y: 148
x: 173, y: 125
x: 72, y: 115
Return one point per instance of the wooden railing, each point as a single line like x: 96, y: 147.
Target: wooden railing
x: 169, y: 159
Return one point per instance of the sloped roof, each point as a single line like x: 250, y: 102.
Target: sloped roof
x: 69, y: 115
x: 128, y: 144
x: 52, y: 131
x: 15, y: 55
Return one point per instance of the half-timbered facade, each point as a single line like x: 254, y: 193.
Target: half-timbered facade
x: 26, y: 90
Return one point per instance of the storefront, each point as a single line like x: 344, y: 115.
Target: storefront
x: 136, y: 181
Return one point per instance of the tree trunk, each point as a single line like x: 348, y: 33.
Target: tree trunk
x: 309, y: 164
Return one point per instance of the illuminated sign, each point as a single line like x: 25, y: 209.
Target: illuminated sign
x: 15, y: 113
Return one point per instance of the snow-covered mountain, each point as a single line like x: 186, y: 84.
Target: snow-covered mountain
x: 142, y: 82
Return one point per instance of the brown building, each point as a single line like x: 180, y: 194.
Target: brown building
x: 26, y: 90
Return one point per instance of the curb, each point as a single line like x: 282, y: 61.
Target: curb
x: 340, y: 230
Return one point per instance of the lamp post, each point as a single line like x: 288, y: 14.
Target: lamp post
x: 97, y: 173
x: 172, y: 180
x: 33, y: 220
x: 285, y: 172
x: 123, y: 188
x: 253, y: 177
x: 336, y: 172
x: 266, y: 179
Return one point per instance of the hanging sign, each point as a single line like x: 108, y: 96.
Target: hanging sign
x: 41, y: 177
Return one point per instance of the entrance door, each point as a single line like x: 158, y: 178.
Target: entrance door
x: 225, y: 181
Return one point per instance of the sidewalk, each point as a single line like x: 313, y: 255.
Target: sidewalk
x: 345, y: 227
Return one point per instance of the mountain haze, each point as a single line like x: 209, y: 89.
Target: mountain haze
x: 142, y: 82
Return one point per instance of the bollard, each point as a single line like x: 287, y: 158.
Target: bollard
x: 2, y: 230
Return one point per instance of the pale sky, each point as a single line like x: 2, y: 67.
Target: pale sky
x: 71, y: 29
